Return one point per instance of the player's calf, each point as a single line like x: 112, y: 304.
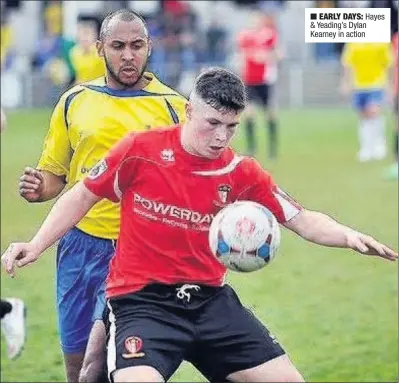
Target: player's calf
x: 94, y: 363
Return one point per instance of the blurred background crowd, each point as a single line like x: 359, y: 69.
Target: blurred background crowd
x: 43, y: 42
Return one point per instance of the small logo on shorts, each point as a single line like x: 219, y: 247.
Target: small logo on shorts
x: 133, y: 345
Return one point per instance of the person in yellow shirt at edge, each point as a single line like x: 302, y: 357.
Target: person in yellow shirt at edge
x: 366, y: 71
x: 86, y: 122
x: 86, y: 63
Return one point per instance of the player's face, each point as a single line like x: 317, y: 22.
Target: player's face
x: 210, y: 130
x: 125, y: 50
x: 86, y: 35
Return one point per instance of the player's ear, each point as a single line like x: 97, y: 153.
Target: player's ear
x: 188, y: 108
x: 100, y: 48
x: 149, y: 47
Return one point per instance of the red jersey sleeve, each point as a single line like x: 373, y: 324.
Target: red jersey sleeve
x: 111, y: 176
x: 263, y: 190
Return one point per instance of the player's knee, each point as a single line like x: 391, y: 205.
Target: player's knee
x: 372, y: 111
x: 93, y: 373
x: 137, y: 374
x: 279, y: 369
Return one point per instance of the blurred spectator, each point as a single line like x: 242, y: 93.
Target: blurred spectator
x: 216, y: 43
x: 157, y: 60
x: 175, y: 8
x: 188, y: 40
x: 6, y: 47
x: 271, y: 5
x: 51, y: 54
x: 52, y: 13
x: 86, y: 63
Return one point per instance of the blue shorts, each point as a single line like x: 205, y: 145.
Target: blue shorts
x: 362, y: 99
x: 82, y: 267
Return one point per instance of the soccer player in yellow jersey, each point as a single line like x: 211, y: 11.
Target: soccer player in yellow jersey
x: 85, y: 60
x: 366, y: 71
x: 87, y: 121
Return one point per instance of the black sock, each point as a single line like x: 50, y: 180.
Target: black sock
x: 272, y: 126
x: 5, y: 308
x: 250, y: 131
x: 396, y: 145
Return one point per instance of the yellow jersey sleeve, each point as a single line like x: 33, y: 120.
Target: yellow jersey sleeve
x: 57, y: 151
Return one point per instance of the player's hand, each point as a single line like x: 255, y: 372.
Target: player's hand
x: 31, y: 184
x: 20, y: 255
x: 364, y: 244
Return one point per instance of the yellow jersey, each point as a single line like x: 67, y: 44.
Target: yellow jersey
x: 87, y: 65
x: 369, y: 62
x: 88, y: 120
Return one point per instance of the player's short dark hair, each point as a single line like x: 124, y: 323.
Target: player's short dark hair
x: 221, y: 89
x: 123, y: 15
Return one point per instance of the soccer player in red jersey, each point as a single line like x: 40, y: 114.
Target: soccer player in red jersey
x: 166, y: 295
x: 260, y: 55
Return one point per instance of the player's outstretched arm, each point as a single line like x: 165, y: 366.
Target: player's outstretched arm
x: 319, y: 228
x: 40, y: 186
x: 66, y: 213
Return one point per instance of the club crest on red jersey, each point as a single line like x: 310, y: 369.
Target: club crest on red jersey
x: 223, y: 194
x: 168, y: 155
x: 133, y: 346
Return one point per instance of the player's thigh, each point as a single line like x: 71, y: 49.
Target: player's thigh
x: 231, y: 339
x: 82, y: 266
x: 137, y: 374
x: 254, y: 101
x: 145, y: 334
x: 279, y: 369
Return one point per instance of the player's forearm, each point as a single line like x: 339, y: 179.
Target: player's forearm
x: 53, y: 186
x: 65, y: 214
x: 319, y: 228
x: 346, y: 76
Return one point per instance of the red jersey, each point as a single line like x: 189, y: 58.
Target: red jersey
x: 168, y: 200
x: 256, y: 69
x: 395, y: 50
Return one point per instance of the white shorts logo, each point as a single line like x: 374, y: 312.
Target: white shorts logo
x: 98, y: 169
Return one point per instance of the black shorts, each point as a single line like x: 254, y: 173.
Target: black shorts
x: 260, y: 94
x: 160, y: 326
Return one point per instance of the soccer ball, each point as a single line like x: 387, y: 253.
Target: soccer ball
x: 244, y: 236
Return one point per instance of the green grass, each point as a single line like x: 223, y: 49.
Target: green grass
x: 335, y: 312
